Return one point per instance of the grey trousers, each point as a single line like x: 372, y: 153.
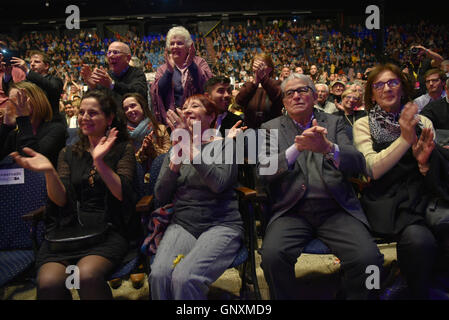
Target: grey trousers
x: 205, y: 260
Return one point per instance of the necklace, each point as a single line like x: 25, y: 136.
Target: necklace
x: 353, y: 118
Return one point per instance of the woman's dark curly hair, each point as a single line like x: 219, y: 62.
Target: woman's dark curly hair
x: 109, y: 107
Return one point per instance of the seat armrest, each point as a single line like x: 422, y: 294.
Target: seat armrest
x: 246, y: 193
x: 144, y: 204
x: 37, y: 214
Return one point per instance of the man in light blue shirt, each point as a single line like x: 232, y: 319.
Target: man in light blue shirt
x: 434, y: 79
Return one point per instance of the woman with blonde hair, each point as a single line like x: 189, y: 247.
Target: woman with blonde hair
x: 29, y: 111
x: 349, y: 101
x: 183, y: 74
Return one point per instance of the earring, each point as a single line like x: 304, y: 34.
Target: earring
x: 107, y: 131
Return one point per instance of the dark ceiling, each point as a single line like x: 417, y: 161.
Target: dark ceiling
x: 21, y: 10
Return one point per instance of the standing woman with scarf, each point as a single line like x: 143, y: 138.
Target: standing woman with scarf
x: 183, y: 74
x: 400, y: 154
x: 149, y: 137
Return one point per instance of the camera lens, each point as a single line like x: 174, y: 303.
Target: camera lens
x: 414, y: 50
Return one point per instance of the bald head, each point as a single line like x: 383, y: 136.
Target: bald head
x: 118, y: 56
x: 123, y: 46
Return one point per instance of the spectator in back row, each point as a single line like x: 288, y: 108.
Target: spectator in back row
x: 70, y: 115
x: 336, y: 88
x: 349, y: 101
x: 438, y: 111
x: 322, y: 103
x: 38, y: 73
x: 121, y: 77
x: 8, y: 72
x: 285, y: 72
x: 434, y: 80
x: 182, y: 75
x: 421, y: 61
x: 261, y: 99
x: 218, y: 89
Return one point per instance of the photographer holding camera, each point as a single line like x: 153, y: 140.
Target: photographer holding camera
x: 421, y: 60
x: 38, y: 73
x: 7, y: 71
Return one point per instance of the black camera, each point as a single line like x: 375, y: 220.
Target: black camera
x: 414, y: 51
x: 8, y: 54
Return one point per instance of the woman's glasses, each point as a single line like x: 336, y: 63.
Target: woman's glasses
x: 393, y: 83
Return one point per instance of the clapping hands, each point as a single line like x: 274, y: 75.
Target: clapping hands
x: 313, y: 139
x: 21, y: 102
x: 104, y: 145
x: 261, y: 71
x: 97, y: 77
x: 235, y: 130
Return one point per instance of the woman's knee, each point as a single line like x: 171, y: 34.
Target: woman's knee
x: 182, y: 278
x: 92, y: 271
x: 51, y: 277
x: 160, y: 272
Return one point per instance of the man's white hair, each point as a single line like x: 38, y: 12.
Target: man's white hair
x: 301, y: 77
x: 322, y: 85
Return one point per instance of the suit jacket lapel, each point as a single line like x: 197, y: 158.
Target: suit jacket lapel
x: 319, y: 156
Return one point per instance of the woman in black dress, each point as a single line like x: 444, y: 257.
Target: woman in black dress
x: 88, y: 189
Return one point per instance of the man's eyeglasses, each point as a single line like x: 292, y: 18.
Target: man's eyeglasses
x: 301, y: 91
x: 432, y: 80
x: 111, y: 52
x: 393, y: 83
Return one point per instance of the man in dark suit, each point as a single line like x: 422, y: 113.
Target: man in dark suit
x: 218, y: 89
x: 438, y: 111
x: 38, y: 73
x: 310, y: 196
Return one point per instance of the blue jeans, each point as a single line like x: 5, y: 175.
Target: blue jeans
x: 205, y: 260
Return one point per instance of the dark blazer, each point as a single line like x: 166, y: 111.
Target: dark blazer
x: 287, y: 186
x: 227, y: 123
x: 52, y: 86
x: 50, y: 138
x: 438, y: 112
x: 133, y: 80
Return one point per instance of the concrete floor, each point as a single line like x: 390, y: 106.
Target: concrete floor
x: 317, y: 278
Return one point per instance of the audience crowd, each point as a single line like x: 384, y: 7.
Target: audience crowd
x: 343, y: 110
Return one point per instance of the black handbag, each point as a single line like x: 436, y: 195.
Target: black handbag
x: 76, y: 237
x: 437, y: 216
